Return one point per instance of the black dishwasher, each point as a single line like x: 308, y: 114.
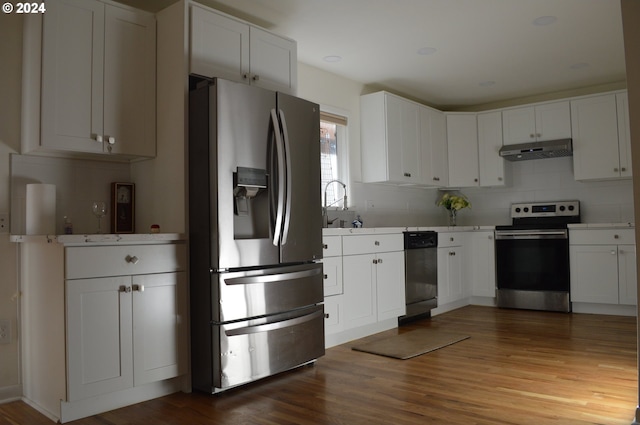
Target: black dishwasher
x: 421, y: 274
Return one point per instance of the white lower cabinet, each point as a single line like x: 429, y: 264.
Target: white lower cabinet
x: 123, y: 331
x: 481, y: 266
x: 373, y: 292
x: 450, y: 285
x: 116, y: 328
x: 603, y: 267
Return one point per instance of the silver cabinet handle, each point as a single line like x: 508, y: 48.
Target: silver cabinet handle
x: 615, y: 170
x: 111, y: 140
x: 623, y: 169
x: 139, y: 288
x: 326, y: 276
x: 616, y: 236
x: 255, y: 78
x: 407, y: 174
x: 245, y: 76
x: 98, y: 138
x: 132, y: 260
x: 380, y: 261
x: 325, y: 246
x: 377, y: 243
x: 123, y: 288
x: 613, y: 252
x: 436, y: 179
x: 375, y: 261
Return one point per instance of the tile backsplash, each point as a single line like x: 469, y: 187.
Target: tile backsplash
x: 78, y: 183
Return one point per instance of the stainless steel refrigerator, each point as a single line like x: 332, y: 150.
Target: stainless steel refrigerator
x: 255, y: 232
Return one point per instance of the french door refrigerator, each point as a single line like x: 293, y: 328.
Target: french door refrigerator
x: 255, y: 232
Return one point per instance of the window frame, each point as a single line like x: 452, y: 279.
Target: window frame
x: 342, y: 136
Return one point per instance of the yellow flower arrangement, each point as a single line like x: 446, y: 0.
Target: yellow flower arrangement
x: 453, y: 202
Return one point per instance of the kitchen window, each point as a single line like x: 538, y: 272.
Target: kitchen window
x: 333, y: 157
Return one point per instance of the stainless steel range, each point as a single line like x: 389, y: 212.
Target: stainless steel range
x: 532, y: 256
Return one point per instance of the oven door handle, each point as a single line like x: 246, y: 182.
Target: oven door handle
x: 545, y: 234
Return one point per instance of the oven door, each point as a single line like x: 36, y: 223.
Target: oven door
x: 532, y: 260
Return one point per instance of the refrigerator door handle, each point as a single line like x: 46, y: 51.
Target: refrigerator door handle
x: 287, y: 158
x: 276, y: 277
x: 273, y: 326
x: 281, y: 181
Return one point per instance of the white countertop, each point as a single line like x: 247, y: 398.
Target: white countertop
x: 104, y: 239
x: 386, y: 230
x: 602, y: 226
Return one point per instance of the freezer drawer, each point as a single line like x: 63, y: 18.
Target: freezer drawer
x: 262, y: 292
x: 257, y: 348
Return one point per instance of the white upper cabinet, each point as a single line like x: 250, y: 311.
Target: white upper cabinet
x: 462, y: 141
x: 390, y: 133
x: 491, y: 164
x: 601, y: 145
x: 547, y: 121
x: 98, y: 80
x: 433, y: 138
x: 224, y: 47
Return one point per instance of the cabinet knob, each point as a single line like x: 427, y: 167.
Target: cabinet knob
x: 437, y: 179
x: 126, y: 289
x: 538, y: 134
x: 375, y: 261
x: 475, y: 180
x: 532, y: 135
x: 452, y: 253
x: 245, y: 76
x: 326, y: 276
x: 380, y: 261
x: 616, y: 236
x: 326, y: 315
x: 623, y: 169
x: 98, y: 138
x: 139, y: 288
x: 451, y: 239
x: 132, y: 260
x: 325, y: 246
x: 615, y: 170
x: 499, y: 179
x: 255, y: 78
x: 111, y: 140
x: 407, y: 174
x: 613, y: 252
x: 377, y: 243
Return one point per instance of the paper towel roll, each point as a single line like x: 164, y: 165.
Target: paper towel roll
x: 41, y: 209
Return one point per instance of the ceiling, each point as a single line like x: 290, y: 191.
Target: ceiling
x: 473, y: 51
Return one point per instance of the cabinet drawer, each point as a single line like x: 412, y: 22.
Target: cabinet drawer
x: 449, y: 239
x: 100, y: 261
x: 602, y: 237
x: 332, y: 246
x: 370, y: 244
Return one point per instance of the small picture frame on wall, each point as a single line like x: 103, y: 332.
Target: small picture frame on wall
x: 122, y: 208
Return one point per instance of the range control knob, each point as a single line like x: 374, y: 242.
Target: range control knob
x: 571, y: 207
x: 518, y: 209
x: 526, y: 209
x: 562, y: 208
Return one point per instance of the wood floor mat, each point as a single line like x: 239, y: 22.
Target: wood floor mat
x: 411, y: 344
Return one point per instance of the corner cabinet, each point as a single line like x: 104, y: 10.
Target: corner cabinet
x: 462, y: 141
x: 603, y: 268
x: 601, y: 143
x: 225, y: 47
x: 390, y: 133
x: 433, y: 145
x: 105, y: 323
x: 90, y: 77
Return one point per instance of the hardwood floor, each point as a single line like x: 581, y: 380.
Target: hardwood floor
x: 518, y: 367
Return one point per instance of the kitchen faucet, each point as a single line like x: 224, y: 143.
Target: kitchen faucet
x: 325, y: 212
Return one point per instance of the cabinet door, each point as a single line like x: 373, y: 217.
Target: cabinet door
x: 390, y: 285
x: 518, y: 125
x: 332, y: 269
x: 219, y: 46
x: 129, y: 82
x: 594, y: 273
x: 449, y: 275
x: 627, y: 275
x: 159, y: 326
x: 490, y: 163
x: 462, y: 142
x: 72, y: 75
x: 99, y: 336
x: 359, y: 290
x: 333, y: 310
x: 433, y: 147
x: 553, y: 121
x: 624, y: 138
x: 273, y: 61
x: 594, y: 123
x: 403, y: 140
x: 482, y: 259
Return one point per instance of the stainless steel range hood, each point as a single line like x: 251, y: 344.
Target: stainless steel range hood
x: 537, y: 150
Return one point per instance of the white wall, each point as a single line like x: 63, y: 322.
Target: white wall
x: 10, y: 95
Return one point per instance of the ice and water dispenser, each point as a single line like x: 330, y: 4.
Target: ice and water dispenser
x: 251, y: 206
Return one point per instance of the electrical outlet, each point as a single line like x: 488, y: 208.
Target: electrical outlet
x: 4, y: 223
x: 5, y: 331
